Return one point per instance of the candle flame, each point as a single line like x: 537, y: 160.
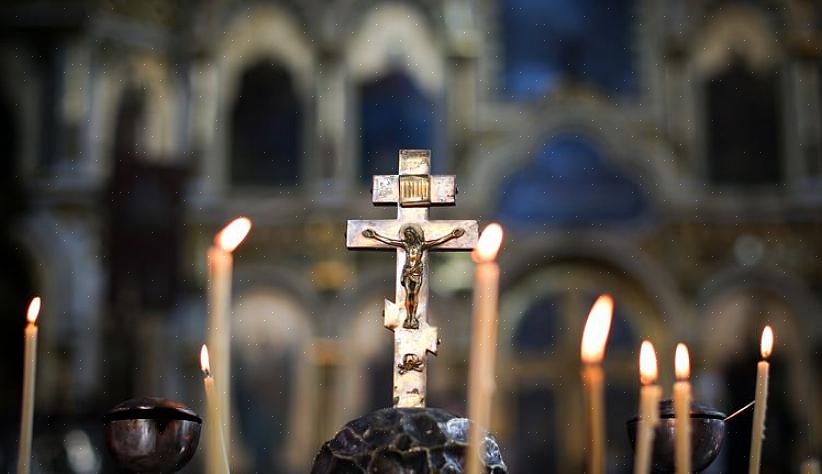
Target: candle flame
x: 682, y: 362
x: 34, y: 310
x: 233, y: 234
x: 647, y: 363
x: 766, y: 346
x: 204, y: 365
x: 595, y: 334
x: 488, y: 244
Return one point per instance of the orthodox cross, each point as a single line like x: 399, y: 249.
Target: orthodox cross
x: 414, y: 191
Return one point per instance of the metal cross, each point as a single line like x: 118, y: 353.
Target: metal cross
x: 414, y: 191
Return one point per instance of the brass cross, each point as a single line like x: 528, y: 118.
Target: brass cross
x: 414, y: 191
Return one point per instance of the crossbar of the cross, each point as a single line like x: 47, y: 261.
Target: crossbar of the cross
x: 355, y: 240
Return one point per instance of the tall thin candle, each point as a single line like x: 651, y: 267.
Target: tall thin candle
x: 649, y: 396
x: 762, y: 375
x: 220, y: 269
x: 594, y: 339
x: 481, y: 383
x: 682, y: 410
x: 29, y: 377
x: 216, y: 458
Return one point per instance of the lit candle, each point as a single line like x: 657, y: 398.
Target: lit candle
x: 682, y: 409
x: 594, y: 339
x: 483, y: 341
x: 220, y: 262
x: 29, y: 376
x: 758, y: 429
x: 216, y: 458
x: 649, y: 396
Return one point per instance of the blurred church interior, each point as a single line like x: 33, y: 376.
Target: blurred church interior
x: 666, y: 151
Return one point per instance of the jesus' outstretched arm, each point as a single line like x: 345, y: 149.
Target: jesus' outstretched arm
x: 454, y: 234
x: 371, y: 234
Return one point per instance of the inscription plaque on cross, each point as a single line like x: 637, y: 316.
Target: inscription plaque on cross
x: 414, y: 191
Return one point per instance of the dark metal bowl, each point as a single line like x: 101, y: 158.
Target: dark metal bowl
x: 707, y: 436
x: 152, y: 435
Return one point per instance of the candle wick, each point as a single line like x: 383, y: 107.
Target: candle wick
x: 739, y: 411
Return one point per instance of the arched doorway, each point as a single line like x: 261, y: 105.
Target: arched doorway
x: 541, y: 320
x: 737, y: 315
x: 273, y: 382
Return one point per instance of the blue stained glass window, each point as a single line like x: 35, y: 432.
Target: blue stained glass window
x: 395, y: 114
x: 569, y: 182
x: 585, y: 41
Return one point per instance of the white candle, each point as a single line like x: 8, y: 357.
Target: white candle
x: 594, y: 339
x: 481, y: 383
x: 29, y: 377
x: 216, y: 457
x: 649, y: 396
x: 758, y: 428
x: 682, y: 410
x: 220, y: 263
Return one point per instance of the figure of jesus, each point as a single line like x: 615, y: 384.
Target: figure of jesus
x: 414, y: 243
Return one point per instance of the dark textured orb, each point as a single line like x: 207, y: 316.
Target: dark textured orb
x: 404, y: 441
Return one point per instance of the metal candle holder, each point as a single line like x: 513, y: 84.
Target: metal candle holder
x: 707, y: 436
x: 152, y: 435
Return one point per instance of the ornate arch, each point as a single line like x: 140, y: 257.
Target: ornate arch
x: 789, y: 288
x: 259, y: 32
x: 289, y: 324
x: 729, y: 299
x: 650, y: 161
x: 572, y: 267
x: 396, y: 35
x: 252, y: 34
x: 741, y: 36
x: 738, y: 29
x: 624, y: 259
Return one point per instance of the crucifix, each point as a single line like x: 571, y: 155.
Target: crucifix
x: 414, y: 191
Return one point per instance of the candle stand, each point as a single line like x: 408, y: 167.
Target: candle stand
x: 152, y: 435
x: 707, y: 436
x: 401, y: 440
